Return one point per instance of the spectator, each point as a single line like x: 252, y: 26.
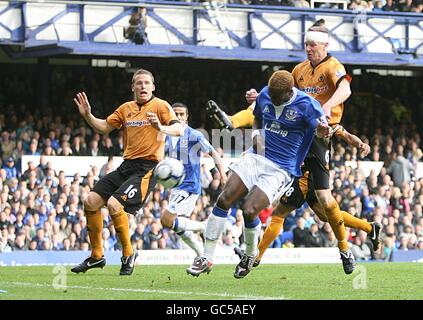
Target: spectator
x: 136, y: 32
x: 400, y: 169
x: 11, y: 171
x: 300, y: 234
x: 314, y: 238
x: 7, y: 145
x: 360, y: 248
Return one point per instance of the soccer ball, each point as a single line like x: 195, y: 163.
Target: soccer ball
x: 169, y: 173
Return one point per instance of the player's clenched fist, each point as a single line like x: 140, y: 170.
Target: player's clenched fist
x: 251, y: 96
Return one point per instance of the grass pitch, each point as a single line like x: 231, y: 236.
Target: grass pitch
x: 371, y: 281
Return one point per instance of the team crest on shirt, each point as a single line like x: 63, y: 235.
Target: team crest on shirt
x: 291, y: 114
x: 301, y: 79
x: 266, y: 109
x: 322, y: 78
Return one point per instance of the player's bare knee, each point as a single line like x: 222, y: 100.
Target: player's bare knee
x: 250, y: 212
x: 167, y: 220
x: 114, y: 206
x: 280, y: 212
x: 91, y: 203
x: 224, y: 201
x: 325, y: 198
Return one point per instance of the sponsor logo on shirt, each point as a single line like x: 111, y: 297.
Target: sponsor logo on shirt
x: 139, y: 123
x: 315, y: 90
x: 275, y: 127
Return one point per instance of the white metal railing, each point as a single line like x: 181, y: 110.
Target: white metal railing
x: 343, y: 2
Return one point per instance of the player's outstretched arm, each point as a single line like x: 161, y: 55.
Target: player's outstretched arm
x: 353, y: 140
x: 84, y: 107
x: 219, y: 165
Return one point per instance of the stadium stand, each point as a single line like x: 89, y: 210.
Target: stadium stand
x: 41, y: 210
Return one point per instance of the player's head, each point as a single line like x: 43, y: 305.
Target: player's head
x: 316, y: 41
x: 280, y: 87
x: 143, y: 85
x: 181, y: 111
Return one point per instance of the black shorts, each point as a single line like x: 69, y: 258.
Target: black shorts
x: 301, y: 190
x: 130, y: 184
x: 317, y: 162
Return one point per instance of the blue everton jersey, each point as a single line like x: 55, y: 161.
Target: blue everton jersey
x: 187, y: 148
x: 288, y: 128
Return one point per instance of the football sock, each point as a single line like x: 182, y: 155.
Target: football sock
x: 334, y: 215
x: 356, y: 223
x: 252, y: 233
x: 95, y: 229
x: 244, y: 118
x: 215, y: 227
x: 121, y: 224
x: 272, y: 231
x: 191, y: 240
x: 185, y: 224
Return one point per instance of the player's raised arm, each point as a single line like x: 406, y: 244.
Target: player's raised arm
x: 352, y: 140
x: 84, y: 107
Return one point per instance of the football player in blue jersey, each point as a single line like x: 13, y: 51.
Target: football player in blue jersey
x: 187, y: 148
x: 286, y: 120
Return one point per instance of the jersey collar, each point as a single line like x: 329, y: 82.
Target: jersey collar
x: 141, y: 105
x: 324, y: 60
x: 295, y: 90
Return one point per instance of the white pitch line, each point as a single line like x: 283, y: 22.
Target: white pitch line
x: 186, y: 293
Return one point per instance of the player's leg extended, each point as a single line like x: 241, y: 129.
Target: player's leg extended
x: 127, y: 199
x: 293, y: 198
x: 273, y: 230
x: 92, y: 205
x: 121, y: 224
x: 234, y: 190
x: 320, y: 174
x: 372, y: 229
x: 244, y: 118
x: 256, y: 201
x: 334, y: 217
x: 176, y: 217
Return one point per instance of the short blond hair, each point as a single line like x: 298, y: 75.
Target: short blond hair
x: 142, y: 71
x: 280, y: 83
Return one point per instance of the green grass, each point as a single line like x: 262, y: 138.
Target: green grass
x: 306, y: 281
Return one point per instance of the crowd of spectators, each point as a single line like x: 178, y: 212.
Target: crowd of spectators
x: 41, y: 209
x: 357, y: 5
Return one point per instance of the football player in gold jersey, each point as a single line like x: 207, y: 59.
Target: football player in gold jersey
x: 144, y: 122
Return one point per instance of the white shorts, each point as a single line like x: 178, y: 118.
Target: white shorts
x: 256, y: 170
x: 182, y: 203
